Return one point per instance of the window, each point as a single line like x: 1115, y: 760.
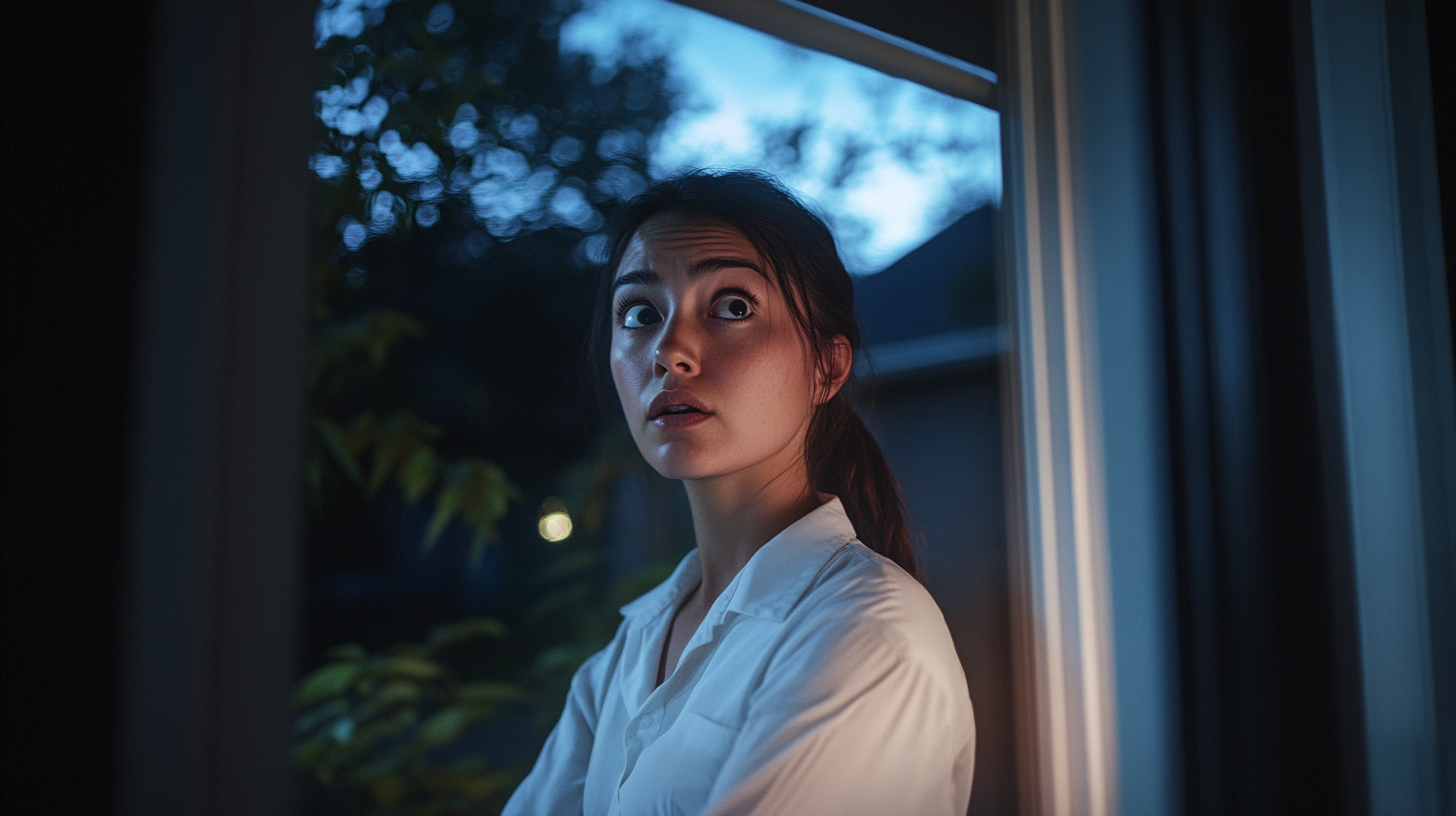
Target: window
x: 476, y: 517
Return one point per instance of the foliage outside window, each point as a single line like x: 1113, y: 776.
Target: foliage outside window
x: 467, y: 170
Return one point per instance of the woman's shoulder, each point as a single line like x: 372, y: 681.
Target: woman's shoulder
x: 861, y: 595
x: 860, y: 579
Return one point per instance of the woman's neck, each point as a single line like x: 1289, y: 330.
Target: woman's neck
x: 736, y: 514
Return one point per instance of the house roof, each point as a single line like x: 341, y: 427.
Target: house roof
x: 944, y: 285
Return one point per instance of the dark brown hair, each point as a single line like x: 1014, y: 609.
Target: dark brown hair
x: 841, y: 454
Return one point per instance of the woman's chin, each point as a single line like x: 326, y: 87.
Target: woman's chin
x: 678, y: 466
x: 682, y: 459
x: 696, y: 457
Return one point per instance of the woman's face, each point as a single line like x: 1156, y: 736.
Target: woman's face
x: 713, y: 374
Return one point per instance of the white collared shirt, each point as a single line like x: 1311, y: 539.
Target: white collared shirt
x: 822, y: 681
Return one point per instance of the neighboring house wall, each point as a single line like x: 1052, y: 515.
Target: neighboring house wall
x: 942, y: 435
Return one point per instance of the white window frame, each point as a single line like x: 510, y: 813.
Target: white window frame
x: 1097, y: 710
x: 810, y: 27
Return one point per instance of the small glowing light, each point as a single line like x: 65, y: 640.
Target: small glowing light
x: 555, y: 526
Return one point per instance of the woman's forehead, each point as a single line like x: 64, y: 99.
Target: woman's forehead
x: 675, y: 237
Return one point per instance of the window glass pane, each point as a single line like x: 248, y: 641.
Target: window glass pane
x: 477, y: 511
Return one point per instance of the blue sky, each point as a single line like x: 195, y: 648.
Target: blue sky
x: 908, y: 160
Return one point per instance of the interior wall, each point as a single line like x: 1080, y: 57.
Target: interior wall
x: 75, y: 98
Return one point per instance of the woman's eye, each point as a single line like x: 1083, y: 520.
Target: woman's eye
x: 732, y: 307
x: 640, y: 315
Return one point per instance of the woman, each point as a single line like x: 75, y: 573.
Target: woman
x: 791, y: 664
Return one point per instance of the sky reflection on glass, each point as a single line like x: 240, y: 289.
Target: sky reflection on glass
x: 890, y: 162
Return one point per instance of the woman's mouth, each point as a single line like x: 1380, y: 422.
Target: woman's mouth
x: 678, y: 417
x: 676, y: 410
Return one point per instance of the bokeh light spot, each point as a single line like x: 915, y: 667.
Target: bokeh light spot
x: 555, y: 526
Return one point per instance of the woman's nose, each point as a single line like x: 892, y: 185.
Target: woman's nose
x: 676, y: 352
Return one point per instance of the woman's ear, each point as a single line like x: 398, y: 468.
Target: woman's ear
x: 841, y: 363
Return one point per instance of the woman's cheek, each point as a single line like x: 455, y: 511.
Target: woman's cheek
x: 627, y: 380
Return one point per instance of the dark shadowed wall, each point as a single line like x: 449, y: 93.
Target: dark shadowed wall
x: 75, y: 103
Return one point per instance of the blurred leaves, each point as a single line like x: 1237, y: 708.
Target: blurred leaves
x: 359, y: 347
x: 466, y: 171
x: 483, y: 114
x: 377, y: 723
x: 386, y: 726
x: 449, y: 132
x: 477, y: 491
x: 402, y: 446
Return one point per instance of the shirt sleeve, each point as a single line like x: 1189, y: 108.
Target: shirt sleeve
x: 850, y: 723
x: 556, y: 782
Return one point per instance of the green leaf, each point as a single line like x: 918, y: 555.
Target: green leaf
x: 395, y: 692
x: 313, y: 719
x: 487, y: 495
x: 466, y: 630
x: 417, y: 475
x: 479, y: 491
x: 371, y: 771
x: 387, y: 329
x: 330, y: 681
x: 444, y: 726
x: 397, y: 441
x: 379, y: 473
x: 445, y: 508
x: 492, y: 694
x: 391, y: 726
x: 336, y: 443
x: 414, y: 668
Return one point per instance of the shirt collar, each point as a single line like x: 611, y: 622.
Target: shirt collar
x: 667, y: 595
x: 772, y: 581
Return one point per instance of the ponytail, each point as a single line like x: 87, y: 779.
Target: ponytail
x: 844, y: 459
x: 842, y: 456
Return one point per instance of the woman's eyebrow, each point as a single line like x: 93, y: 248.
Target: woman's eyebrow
x: 726, y: 262
x: 643, y: 277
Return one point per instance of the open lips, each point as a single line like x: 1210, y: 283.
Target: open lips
x: 676, y: 409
